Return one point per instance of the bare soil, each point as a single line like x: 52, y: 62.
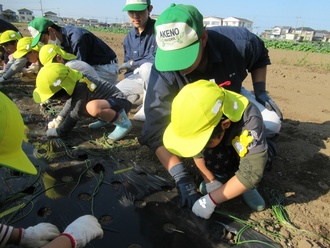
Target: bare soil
x: 299, y: 179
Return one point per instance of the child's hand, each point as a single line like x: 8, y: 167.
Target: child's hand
x: 204, y: 207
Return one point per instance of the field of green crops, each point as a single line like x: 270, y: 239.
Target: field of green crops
x: 310, y: 47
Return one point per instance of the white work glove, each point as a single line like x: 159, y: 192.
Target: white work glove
x: 52, y: 133
x: 39, y: 235
x: 204, y: 207
x: 55, y: 122
x: 83, y: 230
x: 211, y: 186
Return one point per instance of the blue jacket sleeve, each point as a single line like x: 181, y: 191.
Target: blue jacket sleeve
x: 162, y: 88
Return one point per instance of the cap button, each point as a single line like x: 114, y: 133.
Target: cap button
x: 172, y: 4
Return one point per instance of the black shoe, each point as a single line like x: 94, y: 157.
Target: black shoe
x: 272, y: 152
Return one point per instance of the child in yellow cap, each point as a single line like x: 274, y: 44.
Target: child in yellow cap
x: 8, y: 40
x: 25, y: 50
x: 51, y: 53
x: 85, y: 96
x: 77, y: 234
x: 225, y: 134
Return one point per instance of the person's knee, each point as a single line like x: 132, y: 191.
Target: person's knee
x: 95, y: 108
x: 144, y: 72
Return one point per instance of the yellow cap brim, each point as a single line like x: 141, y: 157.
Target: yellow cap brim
x: 185, y: 146
x: 18, y: 161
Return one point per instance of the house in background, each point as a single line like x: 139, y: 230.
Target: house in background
x: 280, y: 32
x: 53, y: 16
x: 238, y: 22
x: 211, y: 21
x: 322, y: 35
x: 9, y: 15
x: 69, y: 21
x: 304, y: 33
x: 153, y: 16
x: 82, y: 22
x: 93, y: 23
x: 25, y: 15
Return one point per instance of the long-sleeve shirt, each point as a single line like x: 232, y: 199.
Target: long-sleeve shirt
x: 232, y: 53
x: 14, y: 66
x: 140, y: 48
x: 86, y: 46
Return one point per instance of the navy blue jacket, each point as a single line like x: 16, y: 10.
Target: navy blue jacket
x: 140, y: 48
x: 232, y: 53
x: 86, y: 46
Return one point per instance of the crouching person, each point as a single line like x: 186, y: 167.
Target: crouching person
x: 85, y: 96
x: 226, y: 136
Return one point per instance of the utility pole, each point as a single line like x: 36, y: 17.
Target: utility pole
x: 42, y: 11
x: 297, y: 18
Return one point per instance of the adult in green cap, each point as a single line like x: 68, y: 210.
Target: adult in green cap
x: 80, y: 42
x: 136, y: 5
x: 139, y: 55
x: 187, y: 52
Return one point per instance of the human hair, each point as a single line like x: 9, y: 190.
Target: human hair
x: 217, y: 131
x: 11, y: 42
x: 54, y: 26
x: 60, y: 94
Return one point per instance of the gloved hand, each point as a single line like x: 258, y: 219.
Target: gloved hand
x: 125, y: 66
x: 262, y: 97
x: 211, y: 186
x: 204, y: 207
x: 2, y: 79
x: 52, y: 133
x: 55, y: 122
x: 187, y: 187
x: 83, y: 230
x: 188, y: 192
x: 39, y: 235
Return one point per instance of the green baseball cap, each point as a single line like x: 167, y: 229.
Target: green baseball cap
x: 136, y: 5
x: 196, y: 111
x: 178, y: 31
x: 37, y: 26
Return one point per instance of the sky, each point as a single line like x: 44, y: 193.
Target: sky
x: 265, y: 14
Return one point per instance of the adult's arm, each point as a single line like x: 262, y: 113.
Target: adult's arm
x: 162, y: 88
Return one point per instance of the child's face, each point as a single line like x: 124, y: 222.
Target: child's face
x: 32, y: 56
x: 10, y: 46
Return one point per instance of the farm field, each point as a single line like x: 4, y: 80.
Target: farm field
x: 299, y: 83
